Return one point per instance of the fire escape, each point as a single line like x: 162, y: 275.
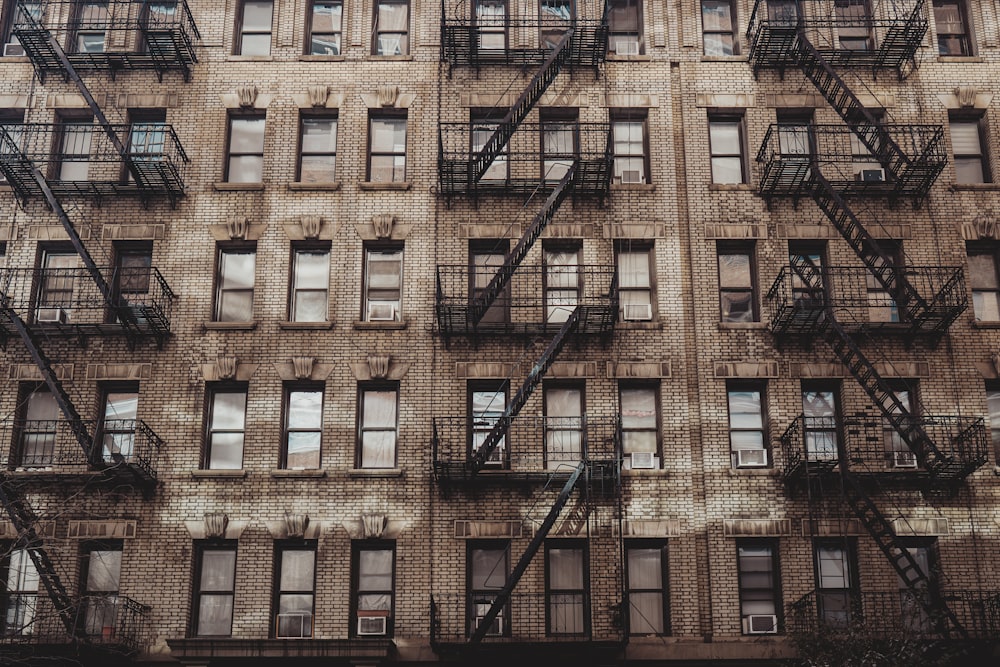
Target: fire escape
x: 836, y: 166
x: 128, y: 299
x: 502, y: 299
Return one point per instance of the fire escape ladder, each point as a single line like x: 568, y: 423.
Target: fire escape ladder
x: 542, y: 365
x: 24, y: 520
x: 536, y: 542
x: 539, y: 83
x: 940, y: 615
x: 498, y: 283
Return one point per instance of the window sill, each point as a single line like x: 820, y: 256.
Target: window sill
x: 362, y: 325
x: 973, y: 187
x: 230, y: 326
x: 378, y: 185
x: 305, y: 326
x: 249, y: 59
x: 959, y: 59
x: 730, y: 187
x: 5, y: 187
x: 632, y: 472
x: 632, y: 325
x: 633, y: 187
x: 752, y: 326
x: 15, y: 59
x: 219, y: 474
x: 320, y: 185
x: 986, y: 324
x: 724, y: 59
x: 754, y: 472
x: 315, y: 58
x: 399, y: 58
x: 283, y: 473
x: 375, y: 472
x: 642, y: 57
x: 226, y: 186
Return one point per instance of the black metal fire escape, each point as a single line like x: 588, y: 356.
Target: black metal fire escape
x: 785, y: 42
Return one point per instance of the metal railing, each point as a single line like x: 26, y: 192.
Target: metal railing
x: 115, y: 622
x: 501, y: 40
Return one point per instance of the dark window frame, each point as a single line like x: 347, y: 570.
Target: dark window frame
x: 201, y: 547
x: 637, y: 34
x: 500, y: 387
x: 983, y: 157
x: 235, y: 116
x: 745, y: 386
x: 480, y: 599
x: 648, y: 248
x: 963, y: 39
x: 68, y: 124
x: 664, y: 590
x: 378, y: 32
x: 992, y: 251
x: 641, y: 116
x: 558, y: 116
x: 583, y: 592
x: 363, y: 389
x: 289, y: 388
x: 499, y: 311
x: 307, y: 248
x: 129, y: 431
x: 993, y: 387
x: 816, y: 428
x: 241, y: 31
x: 388, y: 115
x: 220, y: 290
x: 304, y: 118
x: 48, y: 429
x: 385, y: 248
x: 337, y: 36
x: 281, y: 547
x: 561, y: 246
x: 91, y: 599
x: 564, y: 425
x: 357, y: 547
x: 26, y: 598
x: 213, y: 389
x: 657, y: 430
x: 738, y: 119
x: 851, y: 594
x: 722, y: 31
x: 734, y: 249
x: 775, y: 589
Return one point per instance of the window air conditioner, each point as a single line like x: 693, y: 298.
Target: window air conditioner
x: 751, y: 458
x: 871, y: 175
x: 52, y: 314
x: 496, y: 628
x: 634, y: 312
x: 293, y: 625
x: 372, y: 625
x: 903, y: 459
x: 13, y: 49
x: 627, y: 47
x: 643, y: 461
x: 381, y: 312
x: 760, y: 624
x: 631, y: 176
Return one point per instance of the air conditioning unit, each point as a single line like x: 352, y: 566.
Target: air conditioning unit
x: 372, y: 625
x: 52, y: 314
x: 496, y: 628
x: 643, y: 461
x: 293, y: 625
x: 627, y: 47
x: 903, y: 459
x: 13, y: 49
x: 760, y: 624
x: 631, y: 176
x: 751, y: 458
x: 636, y: 312
x: 871, y: 175
x: 381, y: 312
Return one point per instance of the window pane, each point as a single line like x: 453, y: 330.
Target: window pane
x: 104, y: 570
x: 327, y: 16
x: 563, y: 403
x: 565, y: 569
x: 226, y: 451
x: 745, y: 409
x: 645, y: 568
x: 229, y: 410
x: 638, y: 408
x: 489, y: 569
x: 715, y: 15
x: 969, y: 170
x: 218, y: 570
x: 965, y: 138
x: 725, y: 137
x: 215, y: 615
x: 305, y: 409
x: 121, y: 405
x: 379, y: 409
x: 982, y: 272
x: 312, y: 269
x: 734, y: 271
x: 375, y: 570
x: 319, y: 135
x: 246, y: 135
x: 388, y: 135
x: 645, y: 613
x: 257, y: 15
x: 246, y: 169
x: 297, y: 570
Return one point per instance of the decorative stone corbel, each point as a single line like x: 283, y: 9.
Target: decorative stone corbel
x: 296, y: 524
x: 225, y: 368
x: 378, y: 366
x: 373, y: 525
x: 387, y: 95
x: 303, y: 367
x: 995, y: 358
x: 215, y: 525
x: 986, y: 225
x: 383, y: 225
x: 311, y: 224
x: 247, y: 95
x: 318, y: 95
x: 237, y: 226
x: 966, y: 95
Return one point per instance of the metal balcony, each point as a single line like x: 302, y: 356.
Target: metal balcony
x: 536, y: 302
x: 112, y: 36
x: 500, y: 40
x: 66, y: 303
x: 534, y: 450
x: 876, y: 34
x: 813, y: 448
x: 790, y: 155
x: 113, y: 625
x: 892, y: 614
x: 861, y: 305
x: 526, y: 167
x: 79, y: 159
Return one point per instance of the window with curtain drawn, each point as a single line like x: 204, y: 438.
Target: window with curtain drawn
x: 214, y: 589
x: 390, y: 35
x: 819, y: 412
x: 102, y: 566
x: 37, y: 434
x: 325, y: 22
x: 294, y: 596
x: 374, y: 588
x: 635, y: 282
x: 491, y: 24
x: 20, y: 593
x: 567, y: 603
x: 562, y: 282
x: 646, y: 573
x: 377, y: 426
x: 118, y: 423
x: 488, y: 565
x: 563, y: 426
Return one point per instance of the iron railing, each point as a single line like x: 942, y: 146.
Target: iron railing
x: 522, y: 42
x: 115, y: 623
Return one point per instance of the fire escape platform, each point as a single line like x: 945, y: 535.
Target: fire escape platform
x: 519, y: 43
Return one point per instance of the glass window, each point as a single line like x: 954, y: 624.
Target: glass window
x: 646, y: 574
x: 559, y: 144
x: 566, y: 590
x: 640, y: 425
x: 952, y: 34
x: 737, y: 286
x: 853, y: 24
x: 226, y: 428
x: 245, y: 153
x: 562, y: 282
x: 563, y: 427
x: 897, y: 451
x: 234, y: 284
x: 325, y: 28
x: 819, y: 414
x: 318, y: 157
x: 91, y: 22
x: 628, y: 129
x: 72, y: 161
x: 556, y: 16
x: 484, y: 123
x: 254, y: 33
x: 56, y: 286
x: 214, y: 589
x: 881, y: 306
x: 485, y: 259
x: 17, y: 12
x: 303, y: 427
x: 718, y: 28
x: 914, y: 616
x: 102, y: 565
x: 38, y: 432
x: 491, y: 24
x: 310, y: 284
x: 968, y: 149
x: 133, y: 268
x: 747, y: 439
x: 807, y: 280
x: 295, y: 568
x: 383, y: 284
x: 488, y: 566
x: 11, y: 121
x: 757, y: 563
x: 985, y: 285
x: 118, y: 423
x: 374, y: 586
x: 725, y: 138
x: 487, y: 402
x: 993, y: 411
x: 625, y: 27
x: 387, y: 149
x: 19, y: 594
x: 392, y: 27
x: 635, y: 281
x: 377, y: 426
x: 836, y: 595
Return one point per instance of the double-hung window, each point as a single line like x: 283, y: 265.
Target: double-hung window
x: 15, y: 13
x: 820, y: 423
x: 897, y: 452
x: 56, y: 286
x: 11, y: 121
x: 234, y: 282
x: 836, y: 597
x: 718, y: 28
x: 102, y: 565
x: 807, y: 273
x: 227, y: 411
x: 254, y: 28
x: 485, y: 259
x: 726, y: 147
x: 737, y: 283
x: 378, y: 425
x: 303, y: 426
x: 563, y: 426
x: 19, y: 595
x: 760, y: 591
x: 984, y: 280
x: 646, y: 576
x: 567, y: 603
x: 555, y: 18
x: 953, y: 36
x: 484, y: 123
x: 325, y: 28
x: 854, y: 25
x: 387, y: 147
x: 747, y: 433
x: 73, y: 141
x: 993, y: 413
x: 968, y: 148
x: 118, y: 424
x: 490, y: 18
x: 560, y: 143
x: 562, y: 281
x: 132, y: 273
x: 310, y: 284
x: 295, y: 586
x: 318, y: 151
x: 91, y: 23
x: 640, y: 425
x: 487, y: 402
x: 625, y: 27
x: 628, y: 129
x: 392, y: 28
x: 383, y: 283
x: 488, y: 565
x: 373, y: 586
x: 214, y: 589
x: 635, y: 280
x: 245, y: 150
x: 882, y: 306
x: 37, y: 436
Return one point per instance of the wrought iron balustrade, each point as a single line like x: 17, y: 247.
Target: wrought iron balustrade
x: 112, y: 622
x: 522, y: 42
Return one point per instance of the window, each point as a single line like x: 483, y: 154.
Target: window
x: 485, y: 259
x: 836, y: 596
x: 993, y: 411
x: 325, y: 28
x: 646, y: 574
x: 747, y: 440
x: 783, y: 12
x: 37, y: 438
x: 913, y: 614
x: 563, y: 426
x: 560, y: 134
x: 55, y: 286
x: 718, y: 28
x: 854, y: 25
x: 295, y: 586
x: 303, y: 427
x: 131, y: 280
x: 898, y: 454
x: 488, y: 565
x: 253, y: 34
x: 640, y: 425
x: 245, y: 152
x: 374, y: 587
x: 16, y: 12
x: 118, y: 422
x: 487, y: 402
x: 969, y: 151
x: 562, y: 282
x: 820, y: 423
x: 484, y: 123
x: 214, y: 589
x: 378, y: 415
x: 725, y: 138
x: 386, y: 147
x: 628, y: 128
x: 795, y: 138
x: 99, y: 582
x: 154, y: 15
x: 226, y: 427
x: 566, y: 586
x: 19, y: 593
x: 635, y: 280
x: 383, y: 283
x: 625, y: 27
x: 310, y: 284
x: 881, y: 306
x: 952, y: 34
x: 91, y: 23
x: 985, y: 284
x: 11, y: 121
x: 71, y: 159
x: 807, y: 279
x: 490, y: 18
x: 234, y: 283
x: 737, y: 283
x: 760, y: 597
x: 392, y: 26
x: 864, y: 165
x: 555, y: 17
x: 318, y: 153
x: 147, y: 139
